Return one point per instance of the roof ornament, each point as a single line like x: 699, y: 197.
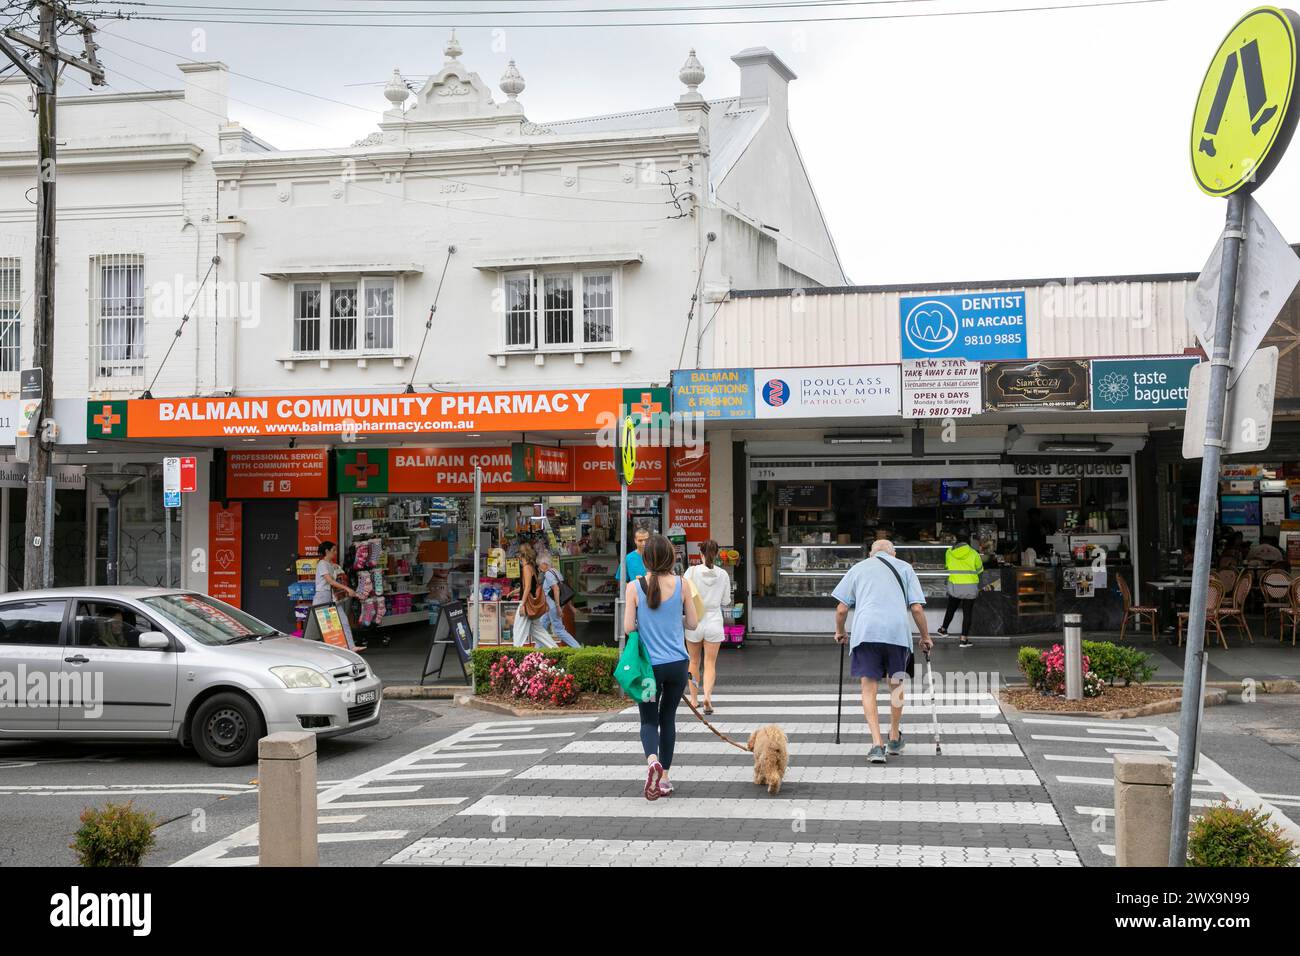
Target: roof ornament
x: 692, y: 74
x: 512, y: 81
x: 397, y: 91
x: 452, y: 49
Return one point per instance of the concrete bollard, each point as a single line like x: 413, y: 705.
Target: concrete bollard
x: 286, y: 800
x: 1144, y: 809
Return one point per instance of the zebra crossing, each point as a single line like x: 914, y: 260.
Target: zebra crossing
x: 402, y: 796
x: 1074, y: 756
x: 979, y: 803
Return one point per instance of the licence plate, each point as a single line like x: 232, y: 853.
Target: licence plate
x: 367, y: 697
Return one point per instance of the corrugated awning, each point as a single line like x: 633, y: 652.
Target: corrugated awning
x: 531, y: 260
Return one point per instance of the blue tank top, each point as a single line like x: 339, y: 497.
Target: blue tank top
x: 661, y: 629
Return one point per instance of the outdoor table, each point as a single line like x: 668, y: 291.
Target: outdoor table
x: 1167, y: 588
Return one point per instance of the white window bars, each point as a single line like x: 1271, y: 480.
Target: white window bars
x: 558, y: 310
x: 11, y: 307
x: 357, y: 315
x: 117, y: 320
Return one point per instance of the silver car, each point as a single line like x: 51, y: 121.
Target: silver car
x: 154, y: 663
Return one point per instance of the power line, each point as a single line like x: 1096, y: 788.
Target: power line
x: 374, y: 24
x: 688, y: 8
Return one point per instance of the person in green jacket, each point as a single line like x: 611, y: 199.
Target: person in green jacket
x: 964, y: 566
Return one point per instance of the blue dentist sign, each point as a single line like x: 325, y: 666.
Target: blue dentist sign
x: 972, y: 325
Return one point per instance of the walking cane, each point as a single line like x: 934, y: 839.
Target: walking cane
x: 934, y: 710
x: 839, y: 693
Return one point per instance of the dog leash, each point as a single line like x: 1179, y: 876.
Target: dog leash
x: 700, y: 718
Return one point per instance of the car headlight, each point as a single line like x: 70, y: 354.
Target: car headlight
x: 300, y: 677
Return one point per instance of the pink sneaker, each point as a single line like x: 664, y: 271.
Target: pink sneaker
x: 665, y: 788
x: 653, y: 774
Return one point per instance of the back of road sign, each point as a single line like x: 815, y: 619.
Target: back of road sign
x: 1248, y: 420
x: 1246, y: 111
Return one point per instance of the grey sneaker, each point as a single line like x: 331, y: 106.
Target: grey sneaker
x: 876, y: 755
x: 896, y: 746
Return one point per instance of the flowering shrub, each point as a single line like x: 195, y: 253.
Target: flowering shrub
x: 534, y: 678
x: 1046, y: 672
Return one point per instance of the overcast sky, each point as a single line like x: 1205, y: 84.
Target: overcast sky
x: 1012, y: 145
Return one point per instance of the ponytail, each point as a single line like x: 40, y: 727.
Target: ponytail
x: 659, y: 557
x: 709, y: 551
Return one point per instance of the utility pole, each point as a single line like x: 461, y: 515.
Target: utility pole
x: 44, y: 75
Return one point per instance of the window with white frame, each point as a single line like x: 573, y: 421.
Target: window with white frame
x: 558, y: 309
x: 345, y: 315
x: 11, y: 306
x: 117, y: 317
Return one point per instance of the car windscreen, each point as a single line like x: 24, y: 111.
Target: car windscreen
x: 206, y: 619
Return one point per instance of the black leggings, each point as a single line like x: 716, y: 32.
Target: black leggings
x: 967, y: 606
x: 659, y: 716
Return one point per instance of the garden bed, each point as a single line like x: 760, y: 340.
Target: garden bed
x: 587, y: 703
x: 1112, y: 699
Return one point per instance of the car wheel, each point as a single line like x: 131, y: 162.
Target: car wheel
x: 225, y: 730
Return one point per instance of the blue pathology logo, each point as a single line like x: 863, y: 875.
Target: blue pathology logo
x: 776, y: 393
x: 931, y: 326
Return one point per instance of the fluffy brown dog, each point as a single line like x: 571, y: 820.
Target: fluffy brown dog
x: 771, y: 756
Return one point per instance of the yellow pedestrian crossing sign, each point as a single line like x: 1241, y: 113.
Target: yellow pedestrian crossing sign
x: 1246, y: 110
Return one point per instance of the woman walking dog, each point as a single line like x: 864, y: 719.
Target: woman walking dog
x: 714, y: 589
x: 656, y: 610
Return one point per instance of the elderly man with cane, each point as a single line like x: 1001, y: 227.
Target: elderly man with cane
x: 886, y: 597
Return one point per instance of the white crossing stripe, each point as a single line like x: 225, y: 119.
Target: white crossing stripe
x: 360, y: 836
x: 697, y: 773
x: 342, y: 818
x: 981, y: 710
x: 585, y: 719
x: 462, y: 754
x: 851, y: 694
x: 364, y: 789
x: 1121, y: 731
x: 455, y: 774
x: 1110, y: 782
x: 1107, y: 849
x: 851, y: 728
x: 707, y: 808
x: 1062, y: 722
x: 482, y: 740
x: 460, y: 851
x: 1110, y: 812
x: 422, y: 802
x: 848, y: 751
x: 1126, y: 741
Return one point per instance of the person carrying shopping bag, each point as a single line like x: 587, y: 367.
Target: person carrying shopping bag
x: 530, y: 616
x: 714, y: 589
x: 656, y: 610
x: 553, y: 586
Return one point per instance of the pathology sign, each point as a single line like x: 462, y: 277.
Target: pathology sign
x: 971, y: 325
x: 1050, y: 383
x: 1141, y: 384
x: 531, y: 410
x: 940, y: 388
x: 833, y: 391
x: 714, y: 393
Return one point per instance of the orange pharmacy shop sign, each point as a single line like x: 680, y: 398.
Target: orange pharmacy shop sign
x: 570, y: 409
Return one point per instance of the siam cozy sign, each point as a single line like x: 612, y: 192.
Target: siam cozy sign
x: 1049, y: 383
x: 827, y: 391
x: 971, y: 325
x: 1141, y: 384
x: 715, y: 393
x: 451, y: 471
x: 532, y: 410
x: 940, y: 388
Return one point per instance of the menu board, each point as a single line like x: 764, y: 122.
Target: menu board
x: 1058, y: 493
x: 805, y: 496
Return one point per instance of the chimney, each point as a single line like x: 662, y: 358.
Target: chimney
x: 764, y: 78
x: 205, y: 86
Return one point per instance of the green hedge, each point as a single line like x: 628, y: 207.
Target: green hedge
x: 592, y: 667
x: 1030, y: 662
x: 1230, y: 835
x: 1112, y: 662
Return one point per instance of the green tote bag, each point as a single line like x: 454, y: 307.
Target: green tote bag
x: 634, y: 673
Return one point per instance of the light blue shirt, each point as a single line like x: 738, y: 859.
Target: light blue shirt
x: 880, y: 615
x: 633, y: 567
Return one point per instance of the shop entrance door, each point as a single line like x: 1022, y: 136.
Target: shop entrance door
x: 269, y: 550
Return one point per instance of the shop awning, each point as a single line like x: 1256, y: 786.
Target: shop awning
x: 346, y: 269
x: 533, y: 260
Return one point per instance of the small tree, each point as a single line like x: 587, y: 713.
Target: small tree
x: 117, y: 835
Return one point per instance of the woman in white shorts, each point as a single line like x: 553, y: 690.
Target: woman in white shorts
x: 714, y: 589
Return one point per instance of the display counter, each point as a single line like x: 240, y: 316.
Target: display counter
x: 1012, y: 600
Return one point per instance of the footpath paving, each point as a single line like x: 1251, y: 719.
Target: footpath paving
x: 978, y: 804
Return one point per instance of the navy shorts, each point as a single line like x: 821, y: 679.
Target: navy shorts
x: 876, y: 661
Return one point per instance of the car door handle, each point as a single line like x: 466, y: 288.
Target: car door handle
x: 78, y: 659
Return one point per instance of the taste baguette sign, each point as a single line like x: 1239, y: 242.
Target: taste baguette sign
x: 549, y: 409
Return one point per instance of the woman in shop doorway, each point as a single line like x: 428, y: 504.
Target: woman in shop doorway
x: 714, y: 588
x: 529, y: 630
x: 551, y: 579
x: 964, y: 566
x: 331, y: 583
x: 655, y: 610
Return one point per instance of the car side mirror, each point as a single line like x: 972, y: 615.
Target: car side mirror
x: 154, y: 640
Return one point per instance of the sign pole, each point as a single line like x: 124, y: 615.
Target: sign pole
x: 47, y: 572
x: 1220, y: 368
x: 167, y: 537
x: 474, y: 586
